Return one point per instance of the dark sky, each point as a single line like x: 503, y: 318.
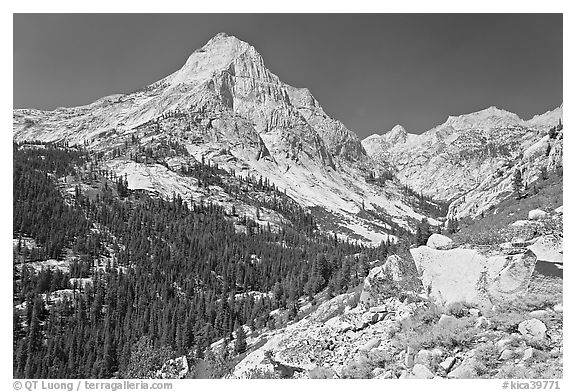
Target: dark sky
x: 371, y: 71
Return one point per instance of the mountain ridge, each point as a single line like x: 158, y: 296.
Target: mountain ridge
x: 224, y: 105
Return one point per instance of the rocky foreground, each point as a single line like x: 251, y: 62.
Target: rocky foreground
x: 442, y: 311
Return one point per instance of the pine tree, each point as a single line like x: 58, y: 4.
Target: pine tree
x: 240, y: 342
x: 517, y: 184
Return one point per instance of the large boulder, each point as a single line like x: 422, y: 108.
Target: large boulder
x: 548, y: 248
x: 371, y: 344
x: 466, y: 369
x: 395, y: 278
x: 448, y: 363
x: 338, y: 324
x: 533, y: 329
x: 439, y: 241
x: 467, y: 275
x: 537, y: 214
x: 332, y: 307
x: 447, y: 321
x: 420, y: 371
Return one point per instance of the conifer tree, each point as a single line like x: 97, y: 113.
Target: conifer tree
x: 240, y: 342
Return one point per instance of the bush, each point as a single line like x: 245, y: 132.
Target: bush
x: 487, y: 357
x: 537, y: 370
x: 260, y: 374
x: 506, y: 321
x: 321, y: 373
x: 380, y: 358
x: 458, y: 309
x: 361, y: 368
x: 460, y: 334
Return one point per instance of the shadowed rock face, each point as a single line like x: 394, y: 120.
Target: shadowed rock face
x: 396, y: 278
x: 468, y: 275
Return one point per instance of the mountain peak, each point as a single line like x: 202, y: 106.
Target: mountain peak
x: 227, y: 39
x: 216, y: 55
x: 548, y: 119
x: 490, y: 117
x: 397, y: 129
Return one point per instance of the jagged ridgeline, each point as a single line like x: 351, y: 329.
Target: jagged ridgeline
x: 139, y: 266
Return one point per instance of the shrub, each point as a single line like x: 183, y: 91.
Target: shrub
x: 321, y: 373
x: 538, y: 370
x: 487, y: 357
x: 460, y: 334
x: 506, y: 321
x: 458, y: 309
x: 360, y: 368
x: 379, y: 358
x: 260, y: 374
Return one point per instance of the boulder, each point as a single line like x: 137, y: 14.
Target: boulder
x: 466, y: 369
x: 421, y: 372
x: 528, y: 353
x: 351, y: 335
x: 520, y: 242
x: 379, y: 309
x: 338, y: 324
x: 507, y: 354
x: 520, y: 223
x: 409, y: 358
x: 503, y: 343
x: 439, y: 241
x: 394, y: 278
x: 533, y: 329
x: 537, y: 214
x: 377, y: 372
x: 466, y: 275
x: 448, y: 363
x: 548, y: 248
x: 447, y: 321
x: 482, y: 323
x: 474, y: 312
x: 405, y: 311
x: 360, y: 324
x: 332, y: 308
x: 539, y: 314
x: 371, y: 318
x: 371, y: 344
x: 423, y: 357
x: 558, y: 308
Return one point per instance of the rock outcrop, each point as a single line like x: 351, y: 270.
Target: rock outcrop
x: 533, y: 329
x: 548, y: 248
x: 439, y: 241
x: 396, y: 278
x: 537, y: 214
x: 468, y: 275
